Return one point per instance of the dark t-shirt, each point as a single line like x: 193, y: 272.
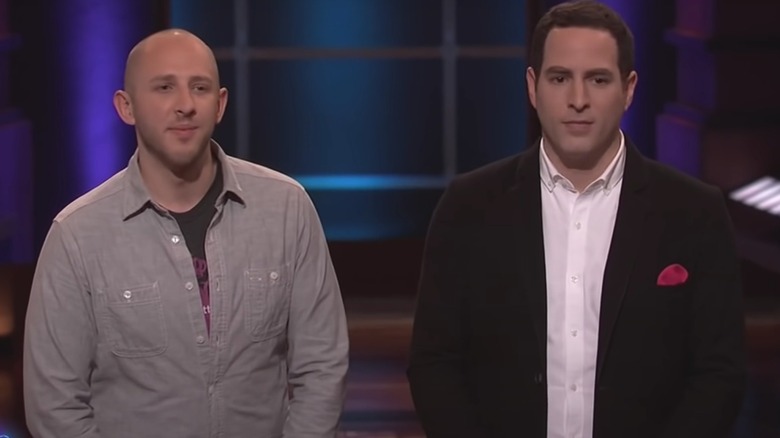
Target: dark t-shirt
x: 194, y: 224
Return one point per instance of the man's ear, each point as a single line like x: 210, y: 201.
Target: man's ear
x: 630, y: 86
x: 222, y: 103
x: 124, y: 107
x: 530, y: 83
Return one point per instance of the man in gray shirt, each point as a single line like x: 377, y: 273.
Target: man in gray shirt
x: 190, y: 295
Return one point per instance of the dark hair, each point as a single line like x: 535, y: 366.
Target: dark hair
x: 584, y: 13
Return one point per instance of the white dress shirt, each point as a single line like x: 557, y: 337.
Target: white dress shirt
x: 577, y: 233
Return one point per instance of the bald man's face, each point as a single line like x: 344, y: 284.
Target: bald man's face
x: 173, y: 98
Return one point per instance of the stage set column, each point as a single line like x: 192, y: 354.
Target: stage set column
x: 15, y: 159
x: 724, y: 124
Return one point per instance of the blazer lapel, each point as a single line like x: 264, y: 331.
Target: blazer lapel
x: 625, y: 245
x: 530, y: 244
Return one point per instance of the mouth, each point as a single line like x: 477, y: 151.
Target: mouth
x: 183, y: 132
x: 183, y: 128
x: 578, y: 127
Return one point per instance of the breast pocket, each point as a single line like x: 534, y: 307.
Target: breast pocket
x: 267, y: 291
x: 133, y: 321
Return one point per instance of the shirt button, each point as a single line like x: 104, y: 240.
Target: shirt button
x: 578, y: 225
x: 211, y: 389
x: 274, y: 275
x: 573, y: 388
x: 200, y: 339
x: 574, y: 279
x: 127, y: 294
x: 189, y: 285
x: 175, y: 239
x: 574, y: 333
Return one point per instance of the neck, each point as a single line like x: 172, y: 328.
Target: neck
x: 583, y: 170
x: 177, y: 189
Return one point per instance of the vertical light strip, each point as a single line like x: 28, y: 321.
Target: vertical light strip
x: 450, y: 87
x: 241, y: 94
x: 93, y: 39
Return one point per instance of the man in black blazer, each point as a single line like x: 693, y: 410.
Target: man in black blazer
x: 579, y: 289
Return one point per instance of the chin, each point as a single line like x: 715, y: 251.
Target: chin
x: 182, y: 159
x: 189, y: 151
x: 580, y: 152
x: 571, y: 144
x: 575, y: 148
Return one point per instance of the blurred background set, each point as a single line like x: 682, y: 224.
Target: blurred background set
x: 374, y: 105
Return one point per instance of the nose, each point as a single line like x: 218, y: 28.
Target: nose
x: 578, y: 96
x: 185, y: 104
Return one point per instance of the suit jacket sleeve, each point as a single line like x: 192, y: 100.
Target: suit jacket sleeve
x: 436, y: 371
x: 716, y: 379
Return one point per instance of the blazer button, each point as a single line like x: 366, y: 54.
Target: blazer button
x: 538, y: 378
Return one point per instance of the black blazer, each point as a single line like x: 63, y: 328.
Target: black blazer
x: 670, y: 358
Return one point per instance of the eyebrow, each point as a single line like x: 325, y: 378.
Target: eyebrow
x: 171, y: 78
x: 599, y: 72
x: 589, y: 73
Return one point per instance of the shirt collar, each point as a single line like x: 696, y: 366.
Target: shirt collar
x: 611, y: 176
x: 137, y: 197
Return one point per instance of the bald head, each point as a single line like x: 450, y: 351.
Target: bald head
x: 157, y: 45
x: 173, y: 99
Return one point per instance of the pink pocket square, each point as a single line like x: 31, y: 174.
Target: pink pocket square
x: 673, y: 275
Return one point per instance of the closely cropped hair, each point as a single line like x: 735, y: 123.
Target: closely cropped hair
x: 589, y: 14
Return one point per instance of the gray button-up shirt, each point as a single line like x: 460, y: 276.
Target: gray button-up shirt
x: 116, y: 343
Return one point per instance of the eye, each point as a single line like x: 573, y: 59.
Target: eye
x: 601, y: 80
x: 557, y: 79
x: 164, y: 87
x: 200, y: 88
